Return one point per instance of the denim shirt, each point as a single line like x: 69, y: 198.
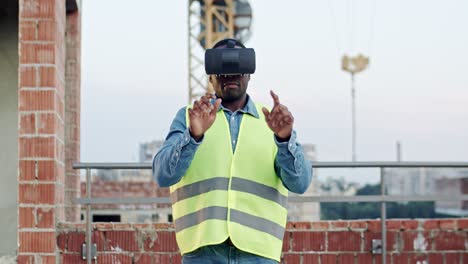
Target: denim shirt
x: 174, y: 158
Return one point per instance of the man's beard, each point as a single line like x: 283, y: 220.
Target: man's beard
x: 231, y: 94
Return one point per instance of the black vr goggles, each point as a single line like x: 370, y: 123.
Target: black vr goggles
x: 229, y: 60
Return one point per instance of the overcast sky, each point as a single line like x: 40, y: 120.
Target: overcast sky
x: 134, y: 74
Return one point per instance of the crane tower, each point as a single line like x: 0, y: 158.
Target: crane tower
x: 208, y: 22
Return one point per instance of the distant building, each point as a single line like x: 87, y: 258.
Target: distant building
x: 149, y: 149
x: 454, y: 186
x: 425, y: 181
x: 133, y: 213
x: 405, y: 181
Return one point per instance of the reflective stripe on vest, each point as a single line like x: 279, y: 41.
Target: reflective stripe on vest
x: 237, y: 195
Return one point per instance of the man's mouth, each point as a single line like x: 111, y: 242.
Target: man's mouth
x: 230, y: 81
x: 231, y: 84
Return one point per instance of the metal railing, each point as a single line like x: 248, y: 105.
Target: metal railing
x: 383, y: 198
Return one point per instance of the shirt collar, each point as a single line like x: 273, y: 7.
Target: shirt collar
x: 249, y: 108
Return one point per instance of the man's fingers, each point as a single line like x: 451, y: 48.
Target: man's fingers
x: 275, y: 98
x: 216, y: 105
x: 266, y: 113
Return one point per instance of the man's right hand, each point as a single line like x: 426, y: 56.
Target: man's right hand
x: 202, y: 115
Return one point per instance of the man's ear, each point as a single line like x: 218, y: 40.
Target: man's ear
x: 211, y: 79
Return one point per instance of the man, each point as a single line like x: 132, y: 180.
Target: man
x: 229, y: 164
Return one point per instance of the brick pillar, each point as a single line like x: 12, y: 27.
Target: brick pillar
x: 41, y: 128
x: 72, y: 114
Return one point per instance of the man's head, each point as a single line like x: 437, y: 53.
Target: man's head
x: 230, y: 87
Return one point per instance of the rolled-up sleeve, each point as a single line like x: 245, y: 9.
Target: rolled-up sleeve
x: 291, y: 166
x: 173, y: 159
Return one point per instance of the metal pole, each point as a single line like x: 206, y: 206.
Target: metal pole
x: 189, y: 39
x: 353, y: 116
x: 88, y: 217
x: 383, y: 216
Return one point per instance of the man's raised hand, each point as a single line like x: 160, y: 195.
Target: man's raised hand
x: 202, y: 115
x: 280, y: 120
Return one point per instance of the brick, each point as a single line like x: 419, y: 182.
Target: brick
x: 344, y: 241
x: 286, y: 241
x: 36, y: 100
x: 27, y: 124
x: 71, y: 258
x: 165, y: 242
x: 357, y: 225
x: 414, y: 241
x: 453, y: 258
x: 46, y: 170
x: 37, y: 53
x: 410, y: 224
x: 47, y: 259
x: 100, y: 239
x: 448, y: 224
x: 74, y: 241
x: 399, y: 258
x: 27, y: 30
x: 308, y: 241
x: 62, y: 241
x: 431, y: 224
x: 25, y: 259
x: 47, y: 77
x: 115, y: 258
x: 122, y: 226
x: 302, y: 225
x: 436, y: 258
x: 37, y: 147
x: 37, y: 193
x: 374, y: 226
x: 291, y: 259
x: 103, y: 226
x: 339, y: 225
x: 121, y: 240
x: 28, y: 77
x: 328, y: 259
x: 346, y: 258
x: 393, y: 224
x: 38, y: 8
x: 378, y: 259
x: 144, y: 258
x: 365, y: 258
x: 46, y: 123
x: 175, y: 258
x: 462, y: 224
x: 45, y: 217
x: 38, y: 242
x: 449, y: 240
x: 27, y: 170
x: 310, y: 258
x: 47, y: 30
x: 321, y: 225
x: 392, y: 242
x: 26, y: 217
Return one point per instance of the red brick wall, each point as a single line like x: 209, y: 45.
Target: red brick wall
x: 41, y: 128
x: 437, y: 241
x: 42, y: 124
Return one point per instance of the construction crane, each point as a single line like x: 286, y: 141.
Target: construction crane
x: 208, y: 22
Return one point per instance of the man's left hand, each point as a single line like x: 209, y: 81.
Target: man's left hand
x: 280, y: 120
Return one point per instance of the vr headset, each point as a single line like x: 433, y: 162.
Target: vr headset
x: 229, y: 60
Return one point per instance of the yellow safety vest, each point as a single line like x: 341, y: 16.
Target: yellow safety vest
x: 236, y: 195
